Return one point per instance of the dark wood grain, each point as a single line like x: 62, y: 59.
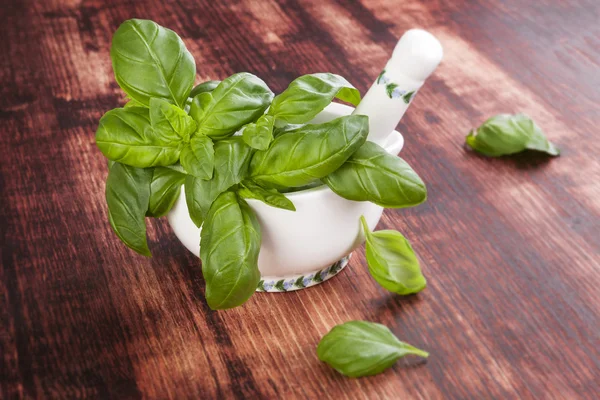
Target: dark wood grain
x: 511, y: 247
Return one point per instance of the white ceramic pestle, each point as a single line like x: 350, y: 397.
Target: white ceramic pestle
x: 415, y: 57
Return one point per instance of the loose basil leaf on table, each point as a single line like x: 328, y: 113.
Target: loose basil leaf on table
x: 152, y: 61
x: 203, y: 87
x: 166, y: 118
x: 308, y: 95
x: 259, y: 135
x: 250, y: 190
x: 231, y: 167
x: 311, y: 152
x: 372, y: 174
x: 392, y: 261
x: 506, y: 134
x: 127, y: 197
x: 238, y: 100
x: 165, y: 189
x: 361, y: 348
x: 126, y: 136
x: 198, y: 157
x: 229, y: 247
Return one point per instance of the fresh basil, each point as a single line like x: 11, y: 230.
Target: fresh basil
x: 229, y: 246
x: 361, y: 348
x: 250, y: 190
x: 166, y: 118
x: 311, y: 152
x: 133, y: 103
x: 127, y: 197
x: 392, y: 261
x: 126, y: 136
x: 198, y: 157
x: 308, y: 95
x: 152, y: 61
x: 506, y: 134
x: 165, y: 189
x: 372, y: 174
x: 259, y: 135
x: 231, y: 167
x: 203, y: 87
x: 238, y: 100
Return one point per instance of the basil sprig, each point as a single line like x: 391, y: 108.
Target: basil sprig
x: 231, y: 140
x: 506, y: 134
x: 392, y: 261
x: 361, y: 348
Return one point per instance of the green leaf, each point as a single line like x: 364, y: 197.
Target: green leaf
x: 231, y: 167
x: 126, y: 136
x: 408, y: 96
x: 229, y: 247
x: 308, y: 95
x: 361, y: 348
x: 259, y: 135
x: 166, y: 118
x: 127, y: 197
x: 392, y: 261
x: 279, y: 285
x: 198, y: 157
x: 389, y: 89
x: 299, y: 282
x: 380, y: 76
x: 203, y: 87
x: 164, y: 191
x: 372, y: 174
x: 250, y: 190
x: 261, y: 286
x: 152, y: 61
x: 506, y: 134
x: 311, y: 152
x: 238, y: 100
x: 134, y: 103
x: 318, y: 277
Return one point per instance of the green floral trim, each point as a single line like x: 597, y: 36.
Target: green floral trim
x: 392, y: 89
x: 302, y: 281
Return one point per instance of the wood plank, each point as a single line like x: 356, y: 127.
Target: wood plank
x: 510, y: 246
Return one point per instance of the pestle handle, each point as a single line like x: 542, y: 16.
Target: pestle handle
x: 415, y: 57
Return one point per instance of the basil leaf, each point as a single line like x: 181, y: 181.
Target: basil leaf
x: 260, y: 134
x: 240, y: 99
x: 207, y: 86
x: 133, y: 103
x: 167, y: 118
x: 198, y: 157
x: 127, y: 197
x: 229, y: 246
x: 250, y: 190
x: 361, y: 348
x: 152, y: 61
x: 308, y: 95
x: 231, y: 167
x: 311, y: 152
x: 372, y: 174
x: 165, y: 189
x: 126, y: 136
x: 506, y: 134
x: 392, y: 261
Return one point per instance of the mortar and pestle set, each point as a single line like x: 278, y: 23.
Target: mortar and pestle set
x: 303, y: 248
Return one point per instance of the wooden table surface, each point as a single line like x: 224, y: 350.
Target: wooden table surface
x: 510, y: 246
